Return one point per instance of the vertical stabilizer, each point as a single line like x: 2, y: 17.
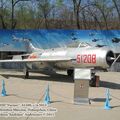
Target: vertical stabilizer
x: 34, y: 49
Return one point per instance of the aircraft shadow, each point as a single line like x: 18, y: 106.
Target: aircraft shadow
x: 99, y: 99
x: 110, y: 85
x: 22, y: 97
x: 56, y: 77
x: 61, y: 78
x: 115, y: 106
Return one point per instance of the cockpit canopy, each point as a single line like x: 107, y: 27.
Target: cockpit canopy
x: 78, y: 44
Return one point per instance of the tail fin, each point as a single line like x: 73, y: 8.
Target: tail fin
x: 34, y: 49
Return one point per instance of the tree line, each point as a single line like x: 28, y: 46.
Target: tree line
x: 60, y: 14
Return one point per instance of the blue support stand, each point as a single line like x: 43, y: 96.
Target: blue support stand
x: 107, y: 102
x: 47, y: 97
x: 3, y: 93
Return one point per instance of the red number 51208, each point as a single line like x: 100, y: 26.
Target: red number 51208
x: 86, y: 58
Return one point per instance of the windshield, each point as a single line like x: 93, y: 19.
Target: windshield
x: 77, y: 44
x: 83, y: 44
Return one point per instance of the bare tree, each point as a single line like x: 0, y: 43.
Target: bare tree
x: 117, y: 6
x: 104, y: 10
x: 44, y: 8
x: 90, y: 14
x: 3, y: 12
x: 76, y: 5
x: 13, y: 22
x: 96, y: 21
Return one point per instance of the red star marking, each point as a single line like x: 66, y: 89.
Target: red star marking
x: 32, y: 56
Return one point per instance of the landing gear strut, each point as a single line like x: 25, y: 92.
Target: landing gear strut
x: 92, y: 82
x: 26, y: 73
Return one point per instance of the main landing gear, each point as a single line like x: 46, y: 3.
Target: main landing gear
x: 26, y: 73
x: 70, y: 72
x: 94, y: 82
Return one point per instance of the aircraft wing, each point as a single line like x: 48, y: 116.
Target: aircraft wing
x: 52, y: 59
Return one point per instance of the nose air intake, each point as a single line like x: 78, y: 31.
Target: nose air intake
x: 110, y: 58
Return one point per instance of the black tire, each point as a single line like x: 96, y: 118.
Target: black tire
x: 70, y: 72
x: 92, y: 82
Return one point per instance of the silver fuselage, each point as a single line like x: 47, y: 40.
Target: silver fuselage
x: 86, y: 57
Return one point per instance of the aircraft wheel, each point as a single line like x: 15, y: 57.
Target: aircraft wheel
x: 92, y: 82
x: 69, y: 72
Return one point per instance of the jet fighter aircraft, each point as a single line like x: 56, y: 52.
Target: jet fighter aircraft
x: 98, y: 45
x: 95, y: 40
x: 83, y: 56
x: 115, y: 40
x: 21, y: 39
